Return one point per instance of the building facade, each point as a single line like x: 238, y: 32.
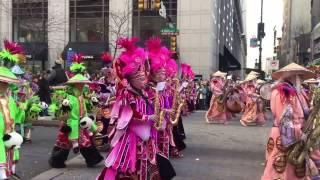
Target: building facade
x: 296, y: 30
x: 210, y: 31
x: 315, y: 33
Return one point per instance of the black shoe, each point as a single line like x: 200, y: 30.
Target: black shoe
x: 15, y: 177
x: 56, y: 165
x: 27, y: 141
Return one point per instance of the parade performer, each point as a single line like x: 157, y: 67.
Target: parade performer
x: 106, y: 91
x: 133, y: 149
x: 217, y: 112
x: 290, y: 110
x: 10, y: 141
x: 77, y: 128
x: 189, y: 92
x: 176, y: 103
x: 161, y: 132
x: 253, y: 113
x: 157, y: 89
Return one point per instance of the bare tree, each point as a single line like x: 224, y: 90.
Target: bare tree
x: 118, y: 26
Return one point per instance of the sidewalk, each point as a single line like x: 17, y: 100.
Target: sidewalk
x: 46, y: 121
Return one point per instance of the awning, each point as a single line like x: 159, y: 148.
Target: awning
x: 90, y: 50
x: 227, y: 62
x: 36, y: 51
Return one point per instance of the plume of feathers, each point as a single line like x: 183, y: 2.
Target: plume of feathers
x: 106, y: 57
x: 12, y: 53
x: 77, y: 67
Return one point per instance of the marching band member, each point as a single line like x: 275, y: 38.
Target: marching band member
x: 133, y: 151
x: 217, y: 112
x: 175, y: 103
x: 253, y: 111
x: 77, y: 129
x: 157, y: 91
x: 290, y: 110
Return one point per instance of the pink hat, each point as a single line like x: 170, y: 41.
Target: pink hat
x: 186, y: 71
x: 171, y: 68
x: 132, y: 59
x: 158, y: 54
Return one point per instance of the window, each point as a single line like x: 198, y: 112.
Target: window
x: 149, y: 23
x: 30, y: 18
x: 89, y: 20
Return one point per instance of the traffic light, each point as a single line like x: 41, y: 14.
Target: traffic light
x: 157, y: 4
x: 173, y: 42
x: 141, y: 5
x: 261, y: 32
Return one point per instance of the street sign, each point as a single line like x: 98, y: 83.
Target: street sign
x: 274, y: 64
x: 254, y: 42
x: 169, y: 31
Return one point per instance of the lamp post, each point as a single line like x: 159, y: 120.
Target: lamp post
x: 261, y: 35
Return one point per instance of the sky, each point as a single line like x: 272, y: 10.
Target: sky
x: 272, y: 17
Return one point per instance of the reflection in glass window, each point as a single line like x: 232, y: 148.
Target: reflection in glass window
x: 151, y: 22
x: 89, y: 20
x: 30, y: 18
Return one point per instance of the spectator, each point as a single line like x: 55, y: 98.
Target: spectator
x: 57, y: 76
x: 202, y: 93
x: 44, y: 91
x: 209, y: 94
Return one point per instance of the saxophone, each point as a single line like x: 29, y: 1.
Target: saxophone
x: 158, y: 112
x: 177, y: 105
x: 311, y: 129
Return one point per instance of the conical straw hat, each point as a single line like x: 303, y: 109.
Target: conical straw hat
x: 259, y: 81
x: 254, y: 73
x: 293, y: 69
x: 219, y: 74
x: 311, y: 81
x: 250, y: 77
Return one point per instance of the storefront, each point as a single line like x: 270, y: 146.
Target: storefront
x: 91, y: 52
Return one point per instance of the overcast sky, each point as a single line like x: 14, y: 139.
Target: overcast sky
x: 272, y: 16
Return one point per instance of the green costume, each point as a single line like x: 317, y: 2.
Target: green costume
x: 10, y: 141
x: 71, y: 135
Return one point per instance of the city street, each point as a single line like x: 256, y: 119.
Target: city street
x: 225, y: 152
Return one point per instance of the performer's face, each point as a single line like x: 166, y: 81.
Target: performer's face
x: 159, y: 75
x: 139, y: 81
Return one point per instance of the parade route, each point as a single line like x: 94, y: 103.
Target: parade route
x: 214, y: 152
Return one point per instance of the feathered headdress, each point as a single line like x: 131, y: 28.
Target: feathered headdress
x: 130, y: 60
x: 187, y: 72
x: 9, y: 56
x: 106, y: 58
x: 11, y: 53
x: 171, y: 68
x: 77, y: 66
x: 158, y: 55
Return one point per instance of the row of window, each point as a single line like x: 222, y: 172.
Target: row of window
x: 89, y: 20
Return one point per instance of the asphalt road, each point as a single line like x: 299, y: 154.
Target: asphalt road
x: 214, y: 152
x: 34, y: 156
